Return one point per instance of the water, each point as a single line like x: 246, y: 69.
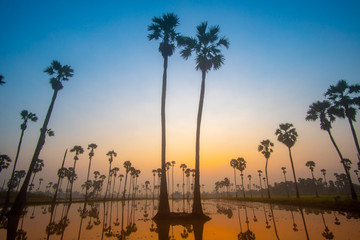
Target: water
x: 229, y: 220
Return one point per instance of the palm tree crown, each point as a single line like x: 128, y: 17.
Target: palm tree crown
x: 311, y: 165
x: 63, y: 74
x: 206, y: 46
x: 286, y: 134
x: 265, y: 148
x: 1, y: 80
x: 164, y: 28
x: 320, y: 110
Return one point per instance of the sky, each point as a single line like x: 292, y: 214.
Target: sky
x: 283, y: 56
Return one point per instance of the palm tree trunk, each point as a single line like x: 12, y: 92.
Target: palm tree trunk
x: 286, y: 186
x: 352, y: 189
x: 7, y: 201
x: 107, y: 184
x: 293, y: 169
x: 235, y: 183
x: 267, y: 179
x: 197, y: 208
x: 87, y: 179
x: 20, y: 201
x: 260, y: 186
x: 164, y: 208
x: 72, y: 180
x: 316, y: 192
x: 354, y: 136
x: 242, y: 183
x: 124, y: 192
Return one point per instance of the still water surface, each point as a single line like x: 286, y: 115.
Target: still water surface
x: 229, y: 220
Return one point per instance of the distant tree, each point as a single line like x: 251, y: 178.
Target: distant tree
x: 172, y: 181
x: 233, y: 164
x: 311, y: 166
x: 111, y: 155
x: 287, y: 135
x: 19, y: 175
x: 40, y: 181
x: 357, y: 174
x: 323, y: 112
x: 323, y: 171
x: 91, y: 147
x: 78, y: 150
x: 183, y: 167
x: 206, y: 46
x: 63, y: 73
x: 260, y: 172
x: 121, y: 176
x: 265, y: 148
x: 163, y: 28
x: 249, y: 177
x: 241, y: 166
x: 284, y: 172
x: 343, y: 104
x: 38, y: 167
x: 127, y: 166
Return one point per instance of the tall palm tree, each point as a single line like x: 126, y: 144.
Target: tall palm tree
x: 1, y: 80
x: 91, y: 147
x: 241, y: 166
x: 63, y: 73
x: 163, y: 28
x: 343, y: 104
x: 78, y: 150
x: 260, y: 172
x: 121, y: 176
x: 287, y: 135
x: 111, y: 155
x: 183, y: 167
x: 321, y: 110
x: 249, y: 177
x: 311, y: 165
x: 323, y: 171
x: 25, y: 116
x: 154, y: 174
x: 233, y: 164
x: 265, y: 148
x: 40, y: 181
x: 172, y: 177
x: 206, y: 46
x: 127, y: 166
x: 286, y: 186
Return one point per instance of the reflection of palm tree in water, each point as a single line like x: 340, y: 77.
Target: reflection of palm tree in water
x: 21, y: 233
x: 273, y: 218
x: 327, y: 234
x: 266, y: 219
x: 255, y: 218
x: 295, y: 229
x: 303, y: 218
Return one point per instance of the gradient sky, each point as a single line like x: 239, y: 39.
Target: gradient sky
x: 283, y: 56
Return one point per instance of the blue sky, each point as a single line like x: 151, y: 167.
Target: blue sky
x: 283, y: 56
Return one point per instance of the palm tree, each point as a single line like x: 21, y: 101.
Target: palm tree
x: 265, y: 148
x: 1, y: 80
x: 40, y: 181
x: 78, y: 150
x: 311, y: 165
x: 343, y: 104
x: 249, y: 177
x: 324, y: 173
x: 147, y: 183
x: 5, y: 161
x: 154, y: 174
x: 63, y: 73
x: 233, y: 164
x: 183, y: 166
x: 172, y: 177
x: 287, y: 135
x: 38, y: 167
x: 121, y: 176
x: 286, y: 186
x: 321, y: 110
x: 91, y: 147
x: 127, y: 166
x: 208, y: 56
x: 357, y: 174
x: 25, y: 116
x: 260, y: 172
x: 164, y: 28
x: 111, y: 155
x: 241, y: 167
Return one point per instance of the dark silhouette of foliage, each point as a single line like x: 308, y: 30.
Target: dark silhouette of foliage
x: 265, y: 148
x: 311, y: 166
x: 287, y: 135
x: 5, y: 161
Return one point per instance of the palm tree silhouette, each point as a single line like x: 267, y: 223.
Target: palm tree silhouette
x: 111, y: 155
x: 1, y: 80
x: 208, y: 56
x: 311, y: 165
x: 40, y: 181
x: 183, y: 167
x: 164, y: 28
x: 241, y: 167
x: 78, y: 150
x: 321, y: 110
x: 91, y: 147
x: 25, y: 116
x: 233, y: 164
x: 343, y: 104
x: 249, y: 177
x: 265, y: 148
x: 38, y: 167
x: 127, y: 166
x: 286, y: 186
x: 172, y: 177
x: 287, y: 135
x: 324, y: 173
x: 260, y: 172
x: 121, y: 176
x: 357, y: 174
x: 63, y: 73
x: 5, y: 161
